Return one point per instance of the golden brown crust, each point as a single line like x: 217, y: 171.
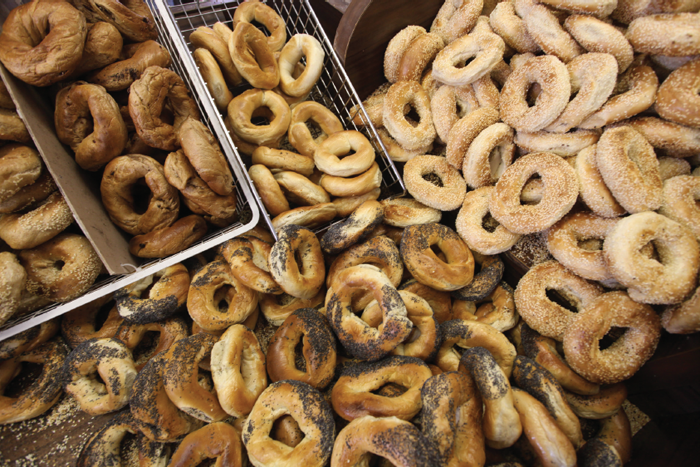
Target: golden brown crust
x: 217, y: 440
x: 448, y: 195
x: 238, y: 370
x: 180, y: 378
x: 259, y: 68
x: 353, y: 394
x: 248, y: 258
x: 133, y: 18
x: 115, y: 364
x: 637, y: 345
x: 212, y: 284
x: 253, y: 10
x: 119, y: 176
x: 103, y: 46
x: 242, y: 108
x: 542, y: 314
x: 453, y: 273
x: 12, y: 127
x: 28, y: 230
x: 80, y: 267
x: 299, y: 134
x: 135, y: 59
x: 308, y: 408
x: 20, y: 166
x: 169, y: 240
x: 597, y: 406
x: 677, y: 99
x: 42, y: 42
x: 310, y: 328
x: 147, y: 97
x: 88, y: 120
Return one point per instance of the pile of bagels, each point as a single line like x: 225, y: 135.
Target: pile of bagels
x: 394, y: 335
x: 42, y: 260
x: 126, y: 117
x: 305, y: 166
x: 385, y: 335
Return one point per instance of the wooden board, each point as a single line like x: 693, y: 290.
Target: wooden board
x: 366, y: 29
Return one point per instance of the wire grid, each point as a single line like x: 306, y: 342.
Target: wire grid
x: 333, y: 88
x: 247, y: 218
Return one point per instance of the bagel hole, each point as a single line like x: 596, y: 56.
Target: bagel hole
x: 612, y: 336
x: 559, y: 298
x: 58, y: 265
x: 650, y: 251
x: 497, y: 161
x: 434, y: 179
x: 489, y: 224
x: 464, y: 63
x: 412, y: 116
x: 389, y: 390
x: 129, y: 449
x: 99, y: 384
x: 222, y: 297
x: 286, y: 430
x: 146, y: 347
x: 377, y: 461
x: 28, y: 373
x: 531, y: 193
x: 299, y: 361
x: 167, y: 115
x: 141, y: 195
x: 262, y: 116
x: 590, y: 244
x: 533, y: 92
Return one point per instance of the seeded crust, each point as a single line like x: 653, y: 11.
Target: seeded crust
x: 635, y: 92
x: 354, y: 229
x: 448, y: 105
x: 536, y: 380
x: 396, y: 440
x: 443, y: 397
x: 484, y: 282
x: 353, y: 394
x: 511, y: 28
x: 81, y: 267
x: 447, y: 196
x: 20, y: 166
x: 455, y: 272
x: 44, y: 392
x: 396, y: 48
x: 502, y: 426
x: 560, y: 194
x: 464, y: 131
x: 597, y: 36
x: 553, y: 77
x: 538, y: 311
x: 620, y: 361
x: 304, y: 279
x: 671, y: 138
x: 153, y: 412
x: 398, y: 97
x: 629, y: 166
x: 465, y: 334
x: 166, y: 297
x: 359, y: 339
x: 564, y: 238
x: 308, y: 408
x: 545, y: 30
x: 593, y: 190
x: 115, y: 364
x: 310, y: 327
x: 103, y: 448
x: 677, y: 99
x: 180, y: 378
x: 377, y: 251
x: 597, y: 453
x: 593, y: 77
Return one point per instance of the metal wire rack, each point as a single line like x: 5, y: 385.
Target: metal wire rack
x: 333, y: 89
x: 248, y: 211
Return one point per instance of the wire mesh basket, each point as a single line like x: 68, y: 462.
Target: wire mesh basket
x: 334, y: 89
x: 247, y: 208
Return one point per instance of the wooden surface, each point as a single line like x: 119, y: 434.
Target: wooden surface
x: 365, y: 30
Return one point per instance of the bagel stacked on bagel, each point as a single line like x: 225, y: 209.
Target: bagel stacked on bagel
x: 96, y: 50
x: 46, y: 260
